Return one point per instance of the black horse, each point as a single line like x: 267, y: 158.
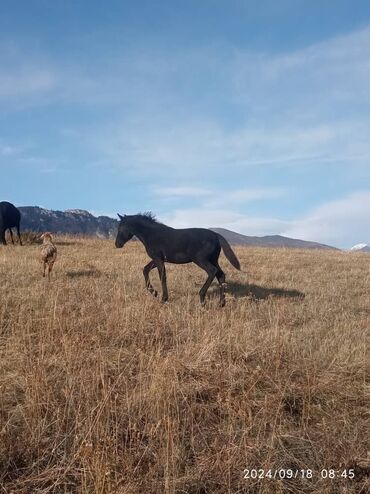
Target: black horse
x: 178, y: 246
x: 10, y: 217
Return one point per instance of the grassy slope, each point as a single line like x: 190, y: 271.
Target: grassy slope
x: 104, y: 390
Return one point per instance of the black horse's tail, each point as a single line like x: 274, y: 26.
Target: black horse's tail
x: 229, y: 253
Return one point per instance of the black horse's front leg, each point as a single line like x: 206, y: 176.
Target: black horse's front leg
x: 146, y: 272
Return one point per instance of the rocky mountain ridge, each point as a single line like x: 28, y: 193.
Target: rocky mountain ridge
x: 71, y: 221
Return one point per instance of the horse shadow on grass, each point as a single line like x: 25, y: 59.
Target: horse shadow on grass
x: 256, y: 292
x: 84, y: 273
x: 66, y: 242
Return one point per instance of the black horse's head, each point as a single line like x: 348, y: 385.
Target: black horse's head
x: 124, y: 234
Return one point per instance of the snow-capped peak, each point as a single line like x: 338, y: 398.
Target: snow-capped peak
x: 359, y: 246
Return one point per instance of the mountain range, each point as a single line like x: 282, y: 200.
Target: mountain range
x: 79, y: 221
x: 269, y: 240
x: 72, y: 221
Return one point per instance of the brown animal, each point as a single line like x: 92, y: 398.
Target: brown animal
x: 48, y: 253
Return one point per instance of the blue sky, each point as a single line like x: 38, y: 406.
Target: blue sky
x: 248, y: 115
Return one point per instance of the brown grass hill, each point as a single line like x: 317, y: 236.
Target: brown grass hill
x: 106, y: 390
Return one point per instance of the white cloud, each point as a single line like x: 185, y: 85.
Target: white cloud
x: 296, y: 108
x: 299, y: 108
x: 25, y: 81
x: 23, y: 74
x: 181, y: 191
x: 234, y: 196
x: 201, y: 218
x: 152, y: 147
x: 6, y: 150
x: 239, y: 196
x: 313, y: 78
x: 343, y: 222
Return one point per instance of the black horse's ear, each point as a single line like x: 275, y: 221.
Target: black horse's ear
x: 119, y: 216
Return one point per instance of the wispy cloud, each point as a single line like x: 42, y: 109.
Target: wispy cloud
x: 311, y: 79
x: 7, y: 150
x: 201, y: 217
x: 194, y: 148
x: 181, y: 191
x: 240, y: 196
x: 26, y: 81
x: 234, y: 196
x: 23, y: 74
x: 317, y: 117
x: 343, y: 222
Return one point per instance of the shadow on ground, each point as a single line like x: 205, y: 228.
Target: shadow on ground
x: 260, y: 293
x: 66, y: 242
x: 84, y: 273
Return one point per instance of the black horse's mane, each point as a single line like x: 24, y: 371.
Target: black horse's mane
x: 147, y: 216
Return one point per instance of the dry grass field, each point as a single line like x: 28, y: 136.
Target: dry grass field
x: 105, y: 390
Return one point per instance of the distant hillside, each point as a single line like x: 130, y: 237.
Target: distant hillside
x: 79, y: 221
x: 269, y: 240
x: 74, y: 221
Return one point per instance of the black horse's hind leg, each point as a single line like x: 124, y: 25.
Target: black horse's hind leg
x: 146, y: 272
x: 162, y: 276
x: 211, y: 271
x: 19, y: 235
x: 11, y: 235
x: 220, y: 275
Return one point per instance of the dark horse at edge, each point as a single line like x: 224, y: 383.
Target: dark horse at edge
x: 179, y: 246
x: 10, y: 217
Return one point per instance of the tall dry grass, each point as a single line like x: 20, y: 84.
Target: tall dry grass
x: 105, y: 390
